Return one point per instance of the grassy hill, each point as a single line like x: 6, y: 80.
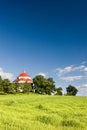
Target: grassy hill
x: 42, y: 112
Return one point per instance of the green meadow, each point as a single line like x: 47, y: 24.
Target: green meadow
x: 42, y: 112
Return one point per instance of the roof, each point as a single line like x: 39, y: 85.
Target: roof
x: 23, y: 77
x: 24, y: 74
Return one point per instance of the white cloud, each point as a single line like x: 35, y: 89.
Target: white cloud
x: 5, y: 75
x: 83, y: 87
x: 43, y: 74
x: 70, y: 70
x: 79, y: 68
x: 71, y: 78
x: 64, y: 70
x: 85, y: 69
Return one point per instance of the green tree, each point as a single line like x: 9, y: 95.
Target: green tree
x: 0, y: 79
x: 59, y: 91
x: 22, y: 87
x: 11, y: 88
x: 19, y: 87
x: 5, y: 84
x: 71, y: 90
x: 1, y: 87
x: 27, y: 87
x: 43, y: 85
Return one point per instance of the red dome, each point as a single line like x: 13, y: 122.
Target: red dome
x: 24, y: 74
x: 23, y: 77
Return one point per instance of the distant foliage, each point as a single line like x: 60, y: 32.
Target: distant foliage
x: 7, y: 87
x: 59, y: 91
x: 43, y: 85
x: 71, y: 90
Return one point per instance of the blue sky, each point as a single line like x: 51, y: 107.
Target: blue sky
x: 47, y: 37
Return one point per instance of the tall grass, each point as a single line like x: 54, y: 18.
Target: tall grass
x: 39, y: 112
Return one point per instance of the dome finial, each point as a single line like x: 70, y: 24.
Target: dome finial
x: 24, y: 71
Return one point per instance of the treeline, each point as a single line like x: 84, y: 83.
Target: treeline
x: 41, y: 85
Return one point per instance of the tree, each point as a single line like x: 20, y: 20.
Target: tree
x: 11, y: 88
x: 22, y: 87
x: 71, y: 90
x: 5, y: 84
x: 1, y: 87
x: 59, y: 91
x: 0, y: 79
x: 27, y: 87
x: 43, y: 85
x: 16, y: 87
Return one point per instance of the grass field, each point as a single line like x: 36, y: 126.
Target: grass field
x: 42, y: 112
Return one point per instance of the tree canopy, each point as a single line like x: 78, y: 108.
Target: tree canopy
x: 43, y: 85
x: 71, y: 90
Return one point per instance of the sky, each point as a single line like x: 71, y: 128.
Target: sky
x: 47, y: 37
